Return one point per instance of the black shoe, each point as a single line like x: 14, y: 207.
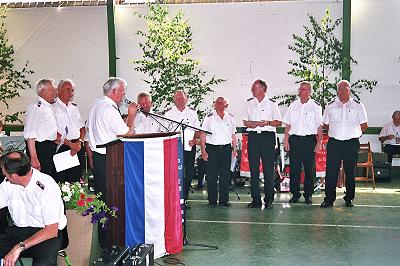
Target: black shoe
x: 308, y: 200
x: 294, y: 200
x: 225, y: 204
x: 212, y: 205
x: 254, y: 204
x: 268, y: 205
x: 187, y: 206
x: 326, y: 204
x: 349, y: 203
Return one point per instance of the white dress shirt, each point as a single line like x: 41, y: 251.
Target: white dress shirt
x: 390, y: 129
x: 189, y: 117
x: 36, y: 205
x: 40, y: 121
x: 303, y: 118
x: 267, y: 110
x: 344, y: 120
x: 68, y: 116
x: 221, y: 129
x: 104, y: 123
x: 147, y: 124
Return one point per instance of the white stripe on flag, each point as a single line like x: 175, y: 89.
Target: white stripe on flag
x: 154, y: 195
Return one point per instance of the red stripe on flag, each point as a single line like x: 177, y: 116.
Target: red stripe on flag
x: 173, y: 222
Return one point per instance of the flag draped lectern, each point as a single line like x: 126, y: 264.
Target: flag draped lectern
x: 142, y: 181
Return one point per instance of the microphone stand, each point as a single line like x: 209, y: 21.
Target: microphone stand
x: 183, y: 127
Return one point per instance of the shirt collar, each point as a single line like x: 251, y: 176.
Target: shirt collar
x: 44, y: 101
x: 32, y: 183
x: 109, y: 100
x: 62, y: 103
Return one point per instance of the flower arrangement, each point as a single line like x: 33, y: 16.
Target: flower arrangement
x: 77, y: 197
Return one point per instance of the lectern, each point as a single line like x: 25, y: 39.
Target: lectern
x: 142, y: 181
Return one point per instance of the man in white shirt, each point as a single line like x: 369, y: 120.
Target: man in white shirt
x: 263, y: 117
x: 144, y: 121
x: 70, y: 128
x: 188, y: 116
x: 217, y: 149
x: 303, y: 121
x: 346, y: 120
x: 37, y: 211
x: 104, y: 124
x: 40, y: 129
x: 390, y: 136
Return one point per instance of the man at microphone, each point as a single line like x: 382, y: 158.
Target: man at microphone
x: 104, y: 124
x: 144, y: 121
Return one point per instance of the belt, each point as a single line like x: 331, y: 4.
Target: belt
x: 303, y: 137
x: 218, y: 146
x: 261, y: 132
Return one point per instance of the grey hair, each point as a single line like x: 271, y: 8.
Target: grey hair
x: 63, y: 81
x: 225, y: 99
x: 306, y: 83
x: 396, y: 113
x: 143, y: 94
x: 343, y: 81
x: 112, y: 83
x: 43, y: 83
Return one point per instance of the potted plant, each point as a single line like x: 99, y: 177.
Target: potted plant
x: 83, y: 209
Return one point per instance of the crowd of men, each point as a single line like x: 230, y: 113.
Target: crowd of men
x: 54, y: 124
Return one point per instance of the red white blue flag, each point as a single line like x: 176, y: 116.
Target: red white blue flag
x: 152, y: 200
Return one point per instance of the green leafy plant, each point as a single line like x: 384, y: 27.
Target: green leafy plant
x: 165, y: 61
x: 11, y: 80
x: 320, y: 60
x: 76, y: 197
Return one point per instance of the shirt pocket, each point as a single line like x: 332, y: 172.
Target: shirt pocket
x: 265, y: 114
x: 336, y: 115
x: 352, y: 114
x: 309, y: 118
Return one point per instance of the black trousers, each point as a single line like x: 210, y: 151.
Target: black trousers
x: 45, y: 151
x: 262, y: 146
x: 100, y: 185
x: 218, y: 165
x: 43, y: 254
x: 338, y: 150
x: 73, y: 174
x: 189, y: 157
x: 302, y: 153
x: 391, y: 150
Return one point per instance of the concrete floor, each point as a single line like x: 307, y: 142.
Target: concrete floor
x: 295, y: 234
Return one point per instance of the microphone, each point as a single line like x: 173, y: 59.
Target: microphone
x: 140, y: 109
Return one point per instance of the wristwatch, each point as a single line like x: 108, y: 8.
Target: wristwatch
x: 22, y: 246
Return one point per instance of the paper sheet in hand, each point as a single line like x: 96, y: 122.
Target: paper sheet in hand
x: 64, y: 160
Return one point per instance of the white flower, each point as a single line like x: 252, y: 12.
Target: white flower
x: 66, y: 198
x: 65, y: 188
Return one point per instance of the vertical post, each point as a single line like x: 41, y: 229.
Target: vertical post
x: 112, y: 54
x: 346, y: 35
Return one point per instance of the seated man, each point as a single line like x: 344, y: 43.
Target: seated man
x: 37, y: 211
x: 390, y: 136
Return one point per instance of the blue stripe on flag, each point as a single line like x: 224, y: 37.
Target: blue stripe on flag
x: 134, y: 193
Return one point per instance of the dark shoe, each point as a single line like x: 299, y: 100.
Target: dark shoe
x: 349, y: 203
x: 187, y: 206
x: 254, y: 204
x: 268, y: 205
x: 212, y: 205
x: 224, y: 204
x: 308, y: 200
x: 294, y: 200
x: 326, y: 205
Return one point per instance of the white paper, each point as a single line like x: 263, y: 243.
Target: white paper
x: 64, y: 160
x: 189, y: 134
